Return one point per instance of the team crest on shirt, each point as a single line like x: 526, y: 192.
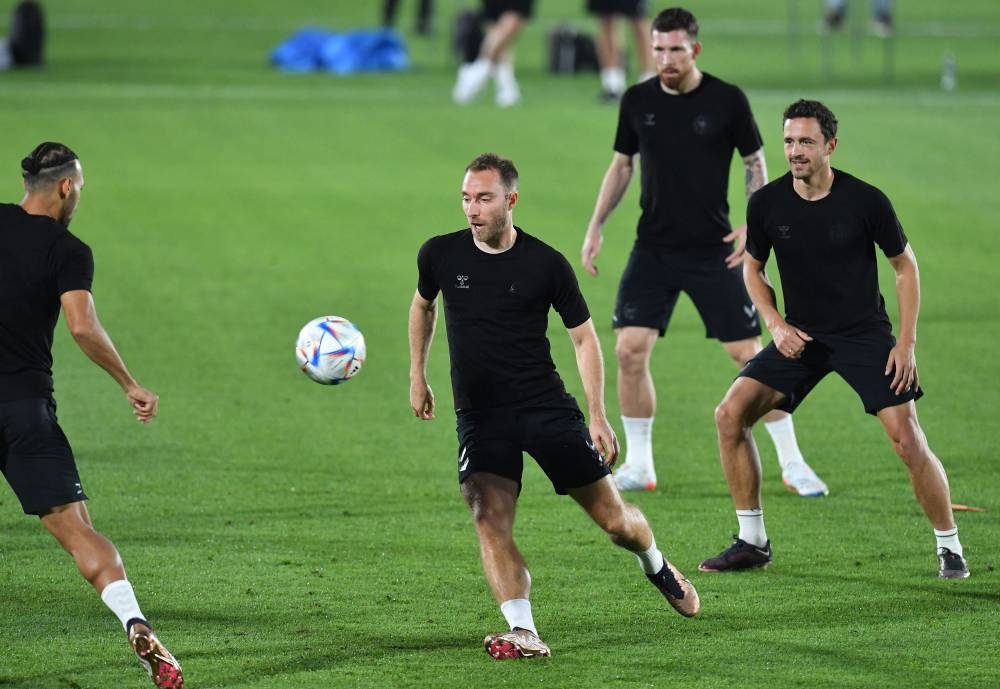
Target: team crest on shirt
x: 462, y: 281
x: 784, y: 232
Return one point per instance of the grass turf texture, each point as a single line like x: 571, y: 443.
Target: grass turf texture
x: 283, y: 534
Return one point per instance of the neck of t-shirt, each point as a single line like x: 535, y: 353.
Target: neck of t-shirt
x: 486, y: 248
x: 816, y: 190
x: 695, y: 79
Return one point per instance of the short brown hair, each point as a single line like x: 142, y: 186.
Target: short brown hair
x: 492, y: 161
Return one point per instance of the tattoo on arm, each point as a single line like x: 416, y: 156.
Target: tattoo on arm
x: 756, y: 174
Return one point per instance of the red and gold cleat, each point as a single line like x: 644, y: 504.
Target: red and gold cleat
x: 163, y: 668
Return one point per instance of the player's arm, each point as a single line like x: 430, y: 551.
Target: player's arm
x: 789, y: 340
x: 423, y: 319
x: 591, y: 365
x: 81, y: 319
x: 755, y: 176
x: 616, y: 181
x: 902, y: 363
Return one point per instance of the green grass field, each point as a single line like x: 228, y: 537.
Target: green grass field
x: 283, y: 534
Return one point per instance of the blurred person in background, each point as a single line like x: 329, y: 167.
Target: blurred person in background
x: 610, y: 53
x: 25, y: 46
x: 496, y: 56
x: 425, y: 11
x: 835, y: 11
x: 684, y: 126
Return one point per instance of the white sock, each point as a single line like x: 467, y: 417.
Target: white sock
x: 120, y: 598
x: 639, y: 444
x: 503, y: 73
x: 517, y: 612
x: 949, y: 539
x: 752, y: 526
x: 651, y: 560
x: 782, y: 433
x: 613, y: 79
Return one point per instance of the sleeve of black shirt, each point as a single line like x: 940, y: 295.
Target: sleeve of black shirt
x: 748, y: 139
x: 758, y: 243
x: 74, y: 264
x: 626, y: 139
x: 567, y: 299
x: 885, y: 227
x: 427, y: 284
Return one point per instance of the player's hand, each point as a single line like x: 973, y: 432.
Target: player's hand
x: 422, y: 400
x: 591, y: 248
x: 789, y: 340
x: 738, y: 238
x: 145, y: 403
x: 605, y: 441
x: 902, y: 366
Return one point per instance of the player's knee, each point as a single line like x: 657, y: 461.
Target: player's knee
x: 632, y: 358
x: 909, y: 445
x: 729, y: 420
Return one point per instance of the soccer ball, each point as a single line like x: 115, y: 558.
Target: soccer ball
x: 330, y: 350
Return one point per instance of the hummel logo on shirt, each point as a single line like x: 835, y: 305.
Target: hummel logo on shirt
x: 462, y: 281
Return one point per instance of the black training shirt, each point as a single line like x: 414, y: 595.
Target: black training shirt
x: 39, y: 260
x: 496, y: 310
x: 826, y: 251
x: 685, y: 144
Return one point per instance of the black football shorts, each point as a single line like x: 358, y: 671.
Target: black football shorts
x: 554, y: 433
x: 493, y: 9
x: 858, y: 359
x: 35, y: 456
x: 654, y: 278
x: 624, y: 8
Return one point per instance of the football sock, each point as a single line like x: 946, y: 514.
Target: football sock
x: 782, y: 433
x: 503, y: 73
x: 651, y: 559
x: 120, y: 599
x: 949, y: 539
x: 639, y: 443
x: 517, y: 612
x: 752, y: 526
x: 613, y: 79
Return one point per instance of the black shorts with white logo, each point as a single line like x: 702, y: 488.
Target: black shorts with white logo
x: 493, y: 9
x: 624, y: 8
x: 858, y: 359
x: 554, y: 433
x: 35, y: 456
x: 654, y: 278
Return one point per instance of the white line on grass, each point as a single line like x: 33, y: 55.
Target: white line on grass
x: 722, y: 27
x: 336, y: 90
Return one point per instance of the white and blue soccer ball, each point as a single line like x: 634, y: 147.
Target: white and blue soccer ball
x: 330, y: 350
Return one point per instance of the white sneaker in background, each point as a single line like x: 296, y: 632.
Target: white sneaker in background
x: 472, y: 77
x: 628, y: 479
x: 801, y: 479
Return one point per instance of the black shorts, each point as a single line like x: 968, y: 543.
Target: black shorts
x: 493, y: 9
x: 35, y: 456
x: 654, y: 278
x: 554, y: 433
x: 626, y: 8
x: 858, y: 359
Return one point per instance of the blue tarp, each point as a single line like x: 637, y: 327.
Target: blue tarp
x: 368, y: 50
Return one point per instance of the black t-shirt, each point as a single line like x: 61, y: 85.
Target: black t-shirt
x: 685, y: 144
x: 39, y: 260
x: 496, y: 310
x: 826, y: 251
